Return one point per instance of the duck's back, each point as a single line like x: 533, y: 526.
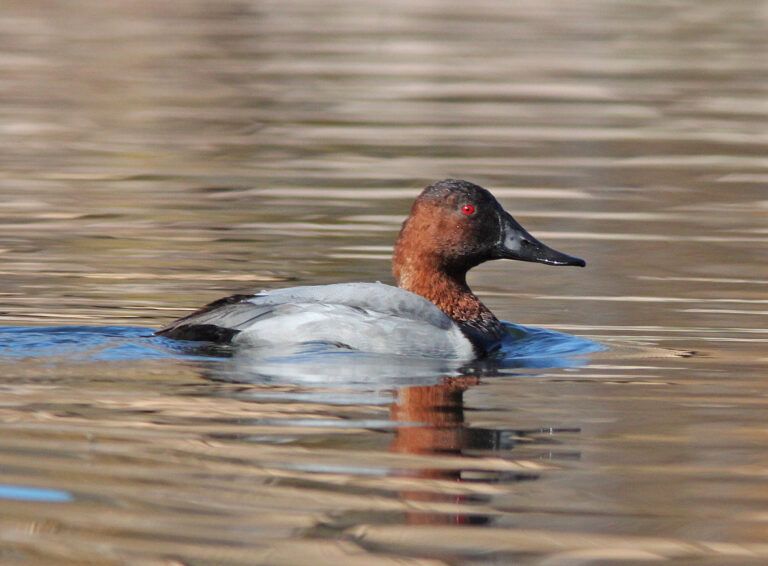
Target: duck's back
x: 368, y: 317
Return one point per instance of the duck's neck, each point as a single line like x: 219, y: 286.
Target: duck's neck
x: 448, y: 290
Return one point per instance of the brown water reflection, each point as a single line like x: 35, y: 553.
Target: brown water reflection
x: 437, y: 414
x: 155, y: 156
x: 432, y: 423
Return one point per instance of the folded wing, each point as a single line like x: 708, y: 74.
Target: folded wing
x: 370, y: 317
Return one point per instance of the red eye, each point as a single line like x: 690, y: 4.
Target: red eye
x: 468, y: 209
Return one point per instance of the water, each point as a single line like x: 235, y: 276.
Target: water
x: 156, y: 156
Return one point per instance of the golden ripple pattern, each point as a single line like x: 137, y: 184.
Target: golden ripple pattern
x: 158, y: 155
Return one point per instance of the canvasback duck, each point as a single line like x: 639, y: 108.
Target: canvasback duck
x: 453, y: 226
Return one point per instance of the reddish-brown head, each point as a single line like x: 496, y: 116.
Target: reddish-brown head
x: 455, y: 225
x: 452, y: 227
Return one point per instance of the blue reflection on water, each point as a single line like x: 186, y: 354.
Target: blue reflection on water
x: 88, y: 343
x: 524, y: 347
x: 534, y: 347
x: 25, y: 493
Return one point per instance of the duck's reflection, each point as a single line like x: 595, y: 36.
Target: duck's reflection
x: 432, y: 419
x: 427, y: 418
x: 432, y: 422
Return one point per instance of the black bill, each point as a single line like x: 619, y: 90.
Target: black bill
x: 516, y: 243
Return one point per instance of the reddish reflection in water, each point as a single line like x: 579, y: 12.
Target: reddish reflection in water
x: 437, y: 414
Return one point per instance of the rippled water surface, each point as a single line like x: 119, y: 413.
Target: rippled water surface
x: 158, y: 155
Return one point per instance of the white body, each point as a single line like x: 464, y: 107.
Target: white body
x: 367, y: 317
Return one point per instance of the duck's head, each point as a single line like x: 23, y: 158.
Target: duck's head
x: 455, y: 225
